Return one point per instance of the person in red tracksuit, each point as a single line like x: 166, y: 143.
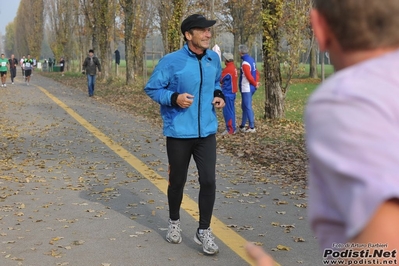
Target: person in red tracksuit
x: 229, y: 86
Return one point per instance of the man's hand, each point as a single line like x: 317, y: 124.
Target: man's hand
x: 185, y: 100
x: 99, y: 73
x: 257, y: 85
x: 260, y: 257
x: 218, y: 102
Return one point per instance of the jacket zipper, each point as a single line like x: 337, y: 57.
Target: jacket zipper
x: 199, y: 100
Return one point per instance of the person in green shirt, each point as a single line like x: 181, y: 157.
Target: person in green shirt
x: 3, y: 70
x: 28, y: 67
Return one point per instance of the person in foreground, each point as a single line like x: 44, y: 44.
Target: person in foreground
x: 352, y: 131
x: 186, y: 84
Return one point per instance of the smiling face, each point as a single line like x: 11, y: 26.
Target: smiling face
x: 198, y: 39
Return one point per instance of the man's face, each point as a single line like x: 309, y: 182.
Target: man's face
x: 200, y: 38
x: 2, y: 56
x: 91, y: 54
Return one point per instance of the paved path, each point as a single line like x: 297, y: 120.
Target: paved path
x: 82, y: 183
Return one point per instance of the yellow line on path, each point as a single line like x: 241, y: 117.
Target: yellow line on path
x: 229, y: 237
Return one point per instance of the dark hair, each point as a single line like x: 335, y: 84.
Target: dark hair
x: 191, y: 31
x: 362, y: 26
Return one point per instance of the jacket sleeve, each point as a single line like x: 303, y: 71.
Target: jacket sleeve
x: 98, y: 64
x: 156, y: 87
x: 223, y: 77
x: 218, y: 76
x: 246, y: 69
x: 218, y: 89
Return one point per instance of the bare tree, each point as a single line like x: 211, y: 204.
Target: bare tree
x: 313, y: 57
x: 88, y: 9
x: 129, y: 13
x: 61, y: 27
x: 242, y: 19
x: 137, y: 16
x: 164, y: 11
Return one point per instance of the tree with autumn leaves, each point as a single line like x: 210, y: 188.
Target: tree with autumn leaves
x: 27, y: 28
x: 283, y: 21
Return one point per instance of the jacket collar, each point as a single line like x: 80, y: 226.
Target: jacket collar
x: 191, y: 53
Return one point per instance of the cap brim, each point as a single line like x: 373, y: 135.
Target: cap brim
x: 209, y: 23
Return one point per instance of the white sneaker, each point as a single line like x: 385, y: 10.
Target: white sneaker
x: 174, y: 232
x: 5, y: 85
x: 227, y: 133
x: 12, y: 83
x: 242, y: 129
x: 206, y: 239
x: 250, y: 130
x: 2, y: 85
x: 224, y: 133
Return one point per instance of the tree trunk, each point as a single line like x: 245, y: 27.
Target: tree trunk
x: 129, y: 46
x: 104, y: 25
x: 164, y: 10
x: 313, y: 61
x: 274, y: 94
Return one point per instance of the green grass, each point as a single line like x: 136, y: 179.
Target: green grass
x: 295, y: 102
x: 297, y: 97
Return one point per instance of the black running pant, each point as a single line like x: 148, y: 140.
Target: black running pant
x: 179, y: 153
x: 13, y: 73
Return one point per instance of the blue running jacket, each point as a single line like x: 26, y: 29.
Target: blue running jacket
x: 181, y: 71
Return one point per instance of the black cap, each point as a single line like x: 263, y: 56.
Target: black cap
x: 91, y: 51
x: 196, y: 21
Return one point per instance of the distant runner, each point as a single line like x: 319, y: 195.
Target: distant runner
x: 13, y: 62
x: 28, y: 67
x: 3, y: 70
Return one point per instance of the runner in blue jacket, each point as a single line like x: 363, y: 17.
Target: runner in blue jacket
x: 186, y: 85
